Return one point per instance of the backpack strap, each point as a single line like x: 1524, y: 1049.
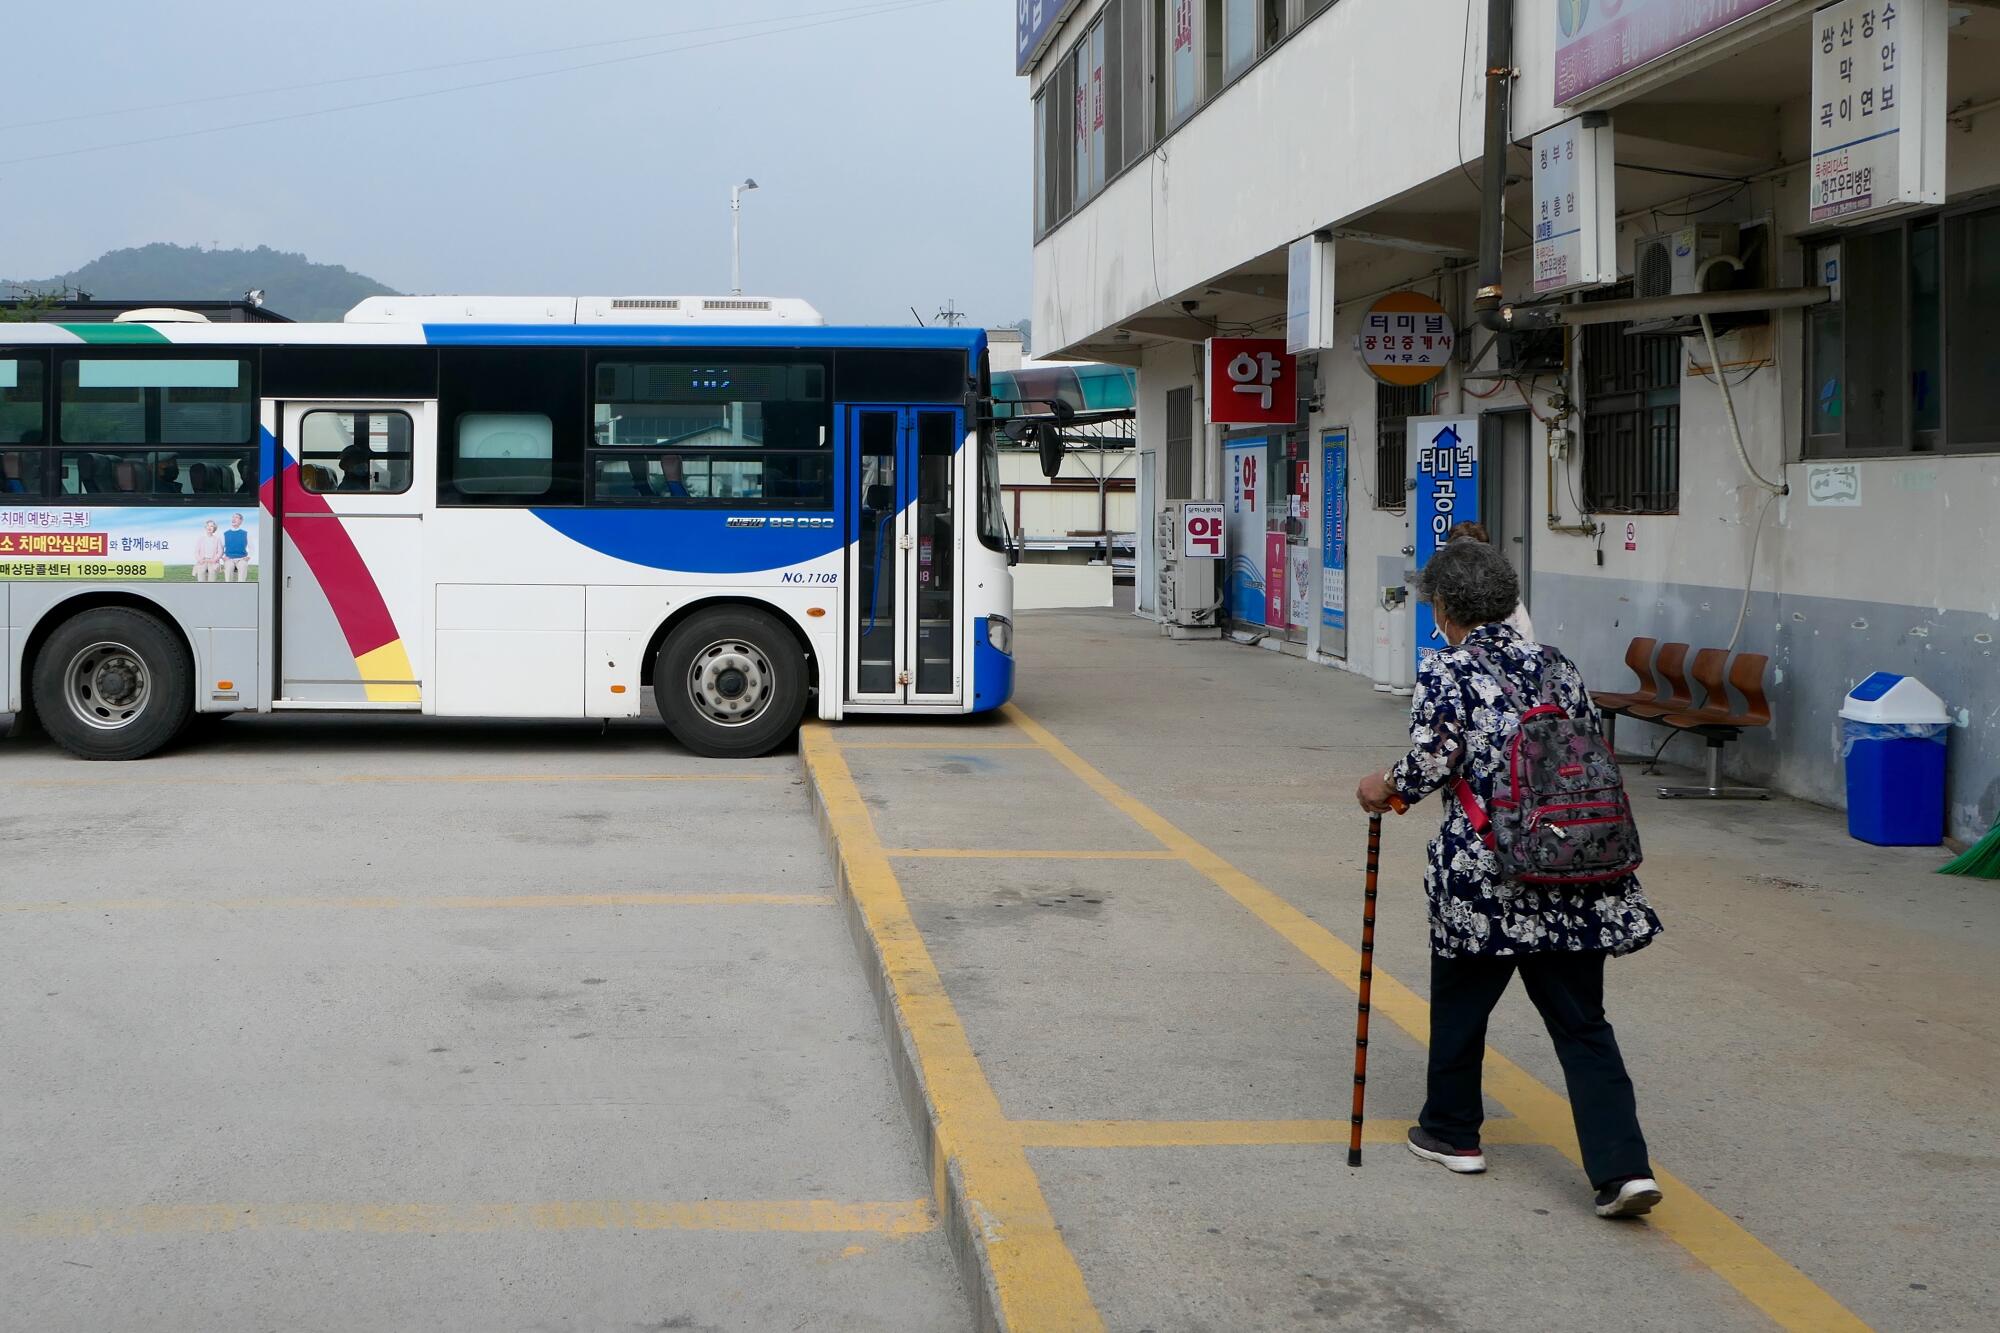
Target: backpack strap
x: 1475, y: 813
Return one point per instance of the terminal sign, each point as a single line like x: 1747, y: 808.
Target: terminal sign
x: 1406, y: 339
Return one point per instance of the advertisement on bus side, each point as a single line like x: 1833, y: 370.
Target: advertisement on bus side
x: 73, y: 543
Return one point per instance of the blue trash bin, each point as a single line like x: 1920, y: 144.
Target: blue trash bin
x: 1893, y: 739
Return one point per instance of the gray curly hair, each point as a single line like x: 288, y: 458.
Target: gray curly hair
x: 1470, y: 583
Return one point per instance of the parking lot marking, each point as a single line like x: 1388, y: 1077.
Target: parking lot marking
x: 352, y: 779
x: 1025, y: 854
x: 1035, y: 1279
x: 1776, y: 1287
x: 901, y: 1217
x: 953, y: 746
x: 1232, y: 1133
x: 510, y: 902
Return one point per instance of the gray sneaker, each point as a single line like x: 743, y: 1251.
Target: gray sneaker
x: 1465, y: 1161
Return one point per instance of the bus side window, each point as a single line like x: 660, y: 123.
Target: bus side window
x: 23, y: 423
x: 503, y: 453
x: 515, y: 426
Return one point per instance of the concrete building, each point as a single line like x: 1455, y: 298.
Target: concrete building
x: 1182, y: 147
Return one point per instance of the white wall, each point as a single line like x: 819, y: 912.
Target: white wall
x: 1322, y: 129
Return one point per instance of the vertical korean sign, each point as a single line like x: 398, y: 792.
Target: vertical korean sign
x: 1446, y: 457
x: 1243, y: 525
x: 1878, y: 103
x: 1333, y: 541
x: 1576, y: 230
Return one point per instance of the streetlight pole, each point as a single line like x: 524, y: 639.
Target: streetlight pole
x: 736, y: 235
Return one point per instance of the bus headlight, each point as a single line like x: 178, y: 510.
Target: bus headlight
x: 1000, y: 634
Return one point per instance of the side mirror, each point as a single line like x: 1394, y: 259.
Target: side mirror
x: 1049, y: 441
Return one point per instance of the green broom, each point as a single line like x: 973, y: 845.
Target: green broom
x: 1981, y: 860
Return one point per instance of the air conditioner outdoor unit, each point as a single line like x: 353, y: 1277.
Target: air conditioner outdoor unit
x: 1667, y: 264
x: 1188, y: 600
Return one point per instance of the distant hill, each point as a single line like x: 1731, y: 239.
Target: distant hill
x: 292, y: 284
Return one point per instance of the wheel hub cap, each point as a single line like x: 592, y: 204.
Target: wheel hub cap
x: 731, y: 682
x: 108, y: 686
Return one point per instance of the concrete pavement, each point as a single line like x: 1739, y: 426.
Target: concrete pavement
x: 336, y: 1023
x: 1114, y: 929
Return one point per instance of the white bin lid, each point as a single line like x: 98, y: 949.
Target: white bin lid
x: 1892, y: 699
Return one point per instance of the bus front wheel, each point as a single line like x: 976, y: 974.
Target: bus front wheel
x: 113, y: 683
x: 731, y: 683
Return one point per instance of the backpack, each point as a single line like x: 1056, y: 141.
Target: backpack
x: 1559, y: 815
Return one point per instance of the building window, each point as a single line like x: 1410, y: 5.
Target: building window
x: 1394, y: 406
x: 1239, y: 36
x: 1184, y: 68
x: 1631, y: 418
x: 1091, y: 120
x: 1898, y: 365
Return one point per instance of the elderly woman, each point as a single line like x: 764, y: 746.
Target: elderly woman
x: 1484, y: 928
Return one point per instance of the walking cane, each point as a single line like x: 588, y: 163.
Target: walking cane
x: 1367, y: 978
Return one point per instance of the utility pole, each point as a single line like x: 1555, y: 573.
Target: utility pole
x: 736, y: 235
x: 950, y: 316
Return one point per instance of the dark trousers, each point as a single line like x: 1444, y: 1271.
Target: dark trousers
x: 1568, y: 989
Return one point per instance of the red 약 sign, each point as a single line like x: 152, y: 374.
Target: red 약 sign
x: 1251, y: 382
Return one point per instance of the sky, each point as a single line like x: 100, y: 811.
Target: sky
x: 891, y: 148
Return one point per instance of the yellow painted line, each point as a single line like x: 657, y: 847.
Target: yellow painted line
x: 940, y: 745
x: 280, y: 779
x: 1025, y: 854
x: 1231, y: 1133
x: 1036, y: 1280
x: 1716, y: 1240
x: 895, y: 1218
x: 524, y: 901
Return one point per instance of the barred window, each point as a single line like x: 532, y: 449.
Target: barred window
x: 1631, y: 419
x: 1394, y: 406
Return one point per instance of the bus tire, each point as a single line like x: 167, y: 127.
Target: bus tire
x: 731, y: 683
x: 113, y: 683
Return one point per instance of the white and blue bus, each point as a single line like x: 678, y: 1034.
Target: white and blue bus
x: 499, y: 508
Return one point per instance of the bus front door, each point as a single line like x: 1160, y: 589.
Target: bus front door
x: 904, y: 598
x: 350, y: 577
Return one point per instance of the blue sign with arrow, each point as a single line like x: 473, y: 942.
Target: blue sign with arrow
x: 1445, y: 454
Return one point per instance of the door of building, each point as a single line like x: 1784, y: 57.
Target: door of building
x: 350, y: 591
x: 1507, y: 499
x: 903, y: 596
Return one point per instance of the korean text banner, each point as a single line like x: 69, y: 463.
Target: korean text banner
x: 1445, y: 454
x: 1333, y: 542
x: 1601, y: 40
x: 83, y: 544
x: 1033, y: 21
x: 1243, y: 589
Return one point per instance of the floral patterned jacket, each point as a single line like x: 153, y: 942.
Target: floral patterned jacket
x: 1460, y: 723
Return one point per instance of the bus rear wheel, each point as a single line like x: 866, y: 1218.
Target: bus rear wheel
x: 113, y: 683
x: 731, y: 683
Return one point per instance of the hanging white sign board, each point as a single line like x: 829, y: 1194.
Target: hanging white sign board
x: 1576, y: 207
x: 1878, y: 104
x: 1309, y: 295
